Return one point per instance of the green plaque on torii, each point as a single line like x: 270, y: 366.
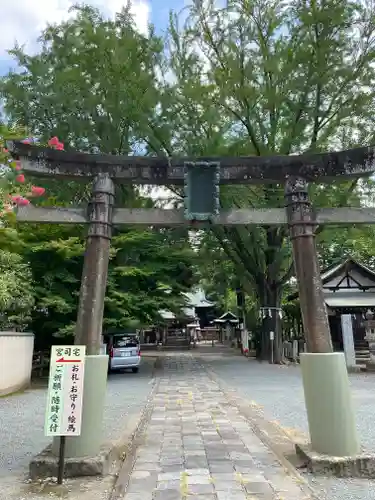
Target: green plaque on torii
x: 201, y: 186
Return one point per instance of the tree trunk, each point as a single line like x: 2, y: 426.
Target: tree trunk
x: 271, y: 350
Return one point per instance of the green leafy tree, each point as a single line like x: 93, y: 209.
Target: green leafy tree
x: 55, y: 257
x: 148, y: 271
x: 16, y: 284
x: 16, y: 292
x: 93, y: 85
x: 217, y: 275
x: 259, y: 78
x: 93, y: 80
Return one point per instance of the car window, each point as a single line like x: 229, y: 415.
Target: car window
x: 124, y: 341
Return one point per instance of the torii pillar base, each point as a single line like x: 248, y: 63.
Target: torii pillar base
x: 329, y: 406
x: 85, y: 455
x: 89, y: 442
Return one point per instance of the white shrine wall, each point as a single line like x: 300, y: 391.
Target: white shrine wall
x: 16, y: 357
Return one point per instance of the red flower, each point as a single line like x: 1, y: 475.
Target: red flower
x: 22, y: 202
x: 19, y: 200
x: 54, y: 141
x: 26, y: 141
x: 18, y: 165
x: 37, y: 191
x: 20, y: 178
x: 60, y: 146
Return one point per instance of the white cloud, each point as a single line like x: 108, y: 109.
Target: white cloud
x: 140, y: 10
x: 23, y: 20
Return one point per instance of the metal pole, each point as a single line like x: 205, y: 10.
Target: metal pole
x: 61, y: 463
x: 272, y: 339
x: 95, y: 268
x: 301, y: 226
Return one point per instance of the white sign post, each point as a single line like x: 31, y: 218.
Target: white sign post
x: 272, y: 339
x: 64, y: 400
x: 244, y: 339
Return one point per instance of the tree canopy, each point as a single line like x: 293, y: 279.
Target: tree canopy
x: 59, y: 93
x: 266, y: 77
x: 255, y: 77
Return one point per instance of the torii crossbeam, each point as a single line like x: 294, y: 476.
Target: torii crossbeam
x: 322, y: 167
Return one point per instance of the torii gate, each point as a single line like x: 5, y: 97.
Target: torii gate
x: 331, y: 419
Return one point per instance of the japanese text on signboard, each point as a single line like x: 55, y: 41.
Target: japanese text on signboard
x: 64, y: 402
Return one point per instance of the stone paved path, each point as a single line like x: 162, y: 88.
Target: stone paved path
x: 198, y: 446
x: 278, y: 391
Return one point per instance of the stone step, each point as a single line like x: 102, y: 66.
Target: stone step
x: 177, y: 347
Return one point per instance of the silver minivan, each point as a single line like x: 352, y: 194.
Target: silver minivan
x: 124, y: 351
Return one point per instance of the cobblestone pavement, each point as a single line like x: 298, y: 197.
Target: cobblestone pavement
x: 22, y: 417
x: 198, y: 446
x: 279, y: 391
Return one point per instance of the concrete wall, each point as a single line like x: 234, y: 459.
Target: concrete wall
x: 16, y: 356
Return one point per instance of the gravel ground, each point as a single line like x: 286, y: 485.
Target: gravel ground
x: 278, y: 390
x: 22, y: 418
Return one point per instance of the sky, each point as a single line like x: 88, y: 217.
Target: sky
x: 23, y: 20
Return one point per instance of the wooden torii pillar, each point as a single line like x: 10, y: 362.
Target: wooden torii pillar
x: 324, y: 372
